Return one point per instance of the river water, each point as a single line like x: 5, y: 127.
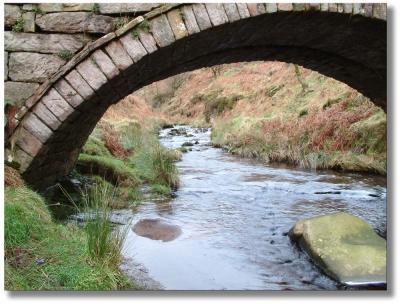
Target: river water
x: 235, y: 215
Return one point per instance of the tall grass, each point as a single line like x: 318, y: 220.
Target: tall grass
x: 104, y: 242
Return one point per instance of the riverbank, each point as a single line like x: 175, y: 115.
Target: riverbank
x: 43, y: 251
x: 280, y: 112
x: 41, y: 254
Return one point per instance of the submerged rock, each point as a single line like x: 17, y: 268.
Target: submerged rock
x: 157, y: 229
x: 344, y: 246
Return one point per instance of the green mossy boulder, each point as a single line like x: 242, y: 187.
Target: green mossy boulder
x: 344, y: 246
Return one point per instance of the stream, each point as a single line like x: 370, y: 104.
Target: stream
x: 234, y: 215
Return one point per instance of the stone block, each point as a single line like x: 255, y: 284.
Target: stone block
x: 217, y: 14
x: 177, y: 24
x: 161, y: 30
x: 41, y: 43
x: 133, y: 47
x: 243, y: 10
x: 68, y: 92
x: 57, y: 105
x: 202, y: 17
x: 232, y: 12
x: 19, y: 92
x: 33, y: 67
x: 77, y: 22
x: 190, y: 20
x: 11, y: 14
x: 118, y: 55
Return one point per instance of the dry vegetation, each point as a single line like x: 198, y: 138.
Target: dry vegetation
x: 282, y: 112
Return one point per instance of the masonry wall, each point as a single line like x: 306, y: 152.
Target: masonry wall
x: 40, y: 38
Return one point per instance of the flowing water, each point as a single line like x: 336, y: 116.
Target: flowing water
x: 235, y: 214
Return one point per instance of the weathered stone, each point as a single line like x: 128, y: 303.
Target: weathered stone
x: 232, y: 12
x: 133, y: 47
x: 190, y: 19
x: 80, y: 85
x: 29, y: 143
x: 340, y: 8
x: 177, y: 24
x: 46, y: 116
x: 271, y: 7
x: 157, y: 229
x: 11, y: 14
x: 105, y: 64
x: 65, y: 7
x: 332, y: 7
x: 217, y: 14
x: 68, y: 93
x: 19, y: 92
x: 33, y: 67
x: 147, y: 40
x: 367, y: 9
x: 357, y: 8
x: 324, y: 7
x: 162, y: 31
x: 29, y: 22
x: 24, y: 159
x: 379, y: 11
x: 299, y: 7
x: 29, y: 7
x: 35, y: 126
x: 201, y: 15
x: 344, y: 246
x: 285, y: 7
x: 118, y: 55
x: 348, y: 8
x: 314, y: 6
x: 117, y: 8
x: 41, y: 43
x: 256, y: 9
x: 92, y: 74
x: 57, y: 105
x: 5, y: 65
x: 77, y: 22
x: 243, y: 10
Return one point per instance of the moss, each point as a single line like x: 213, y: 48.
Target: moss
x: 19, y: 25
x: 113, y: 170
x: 65, y: 55
x: 31, y: 235
x: 95, y: 146
x: 96, y: 8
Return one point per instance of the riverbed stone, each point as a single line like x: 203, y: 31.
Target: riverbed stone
x: 41, y: 43
x: 157, y: 229
x: 33, y: 67
x: 11, y: 14
x: 75, y: 22
x: 344, y: 246
x: 19, y: 92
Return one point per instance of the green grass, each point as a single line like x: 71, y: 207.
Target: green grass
x: 31, y: 235
x: 110, y: 168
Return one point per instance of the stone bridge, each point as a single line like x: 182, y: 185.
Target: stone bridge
x: 115, y: 52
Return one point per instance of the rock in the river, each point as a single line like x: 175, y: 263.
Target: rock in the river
x: 157, y: 229
x: 344, y: 246
x: 187, y: 144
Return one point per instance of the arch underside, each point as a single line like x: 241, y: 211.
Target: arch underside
x: 351, y: 49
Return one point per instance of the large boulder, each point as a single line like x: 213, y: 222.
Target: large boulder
x: 344, y: 246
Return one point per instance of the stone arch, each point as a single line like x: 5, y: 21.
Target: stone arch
x: 339, y: 42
